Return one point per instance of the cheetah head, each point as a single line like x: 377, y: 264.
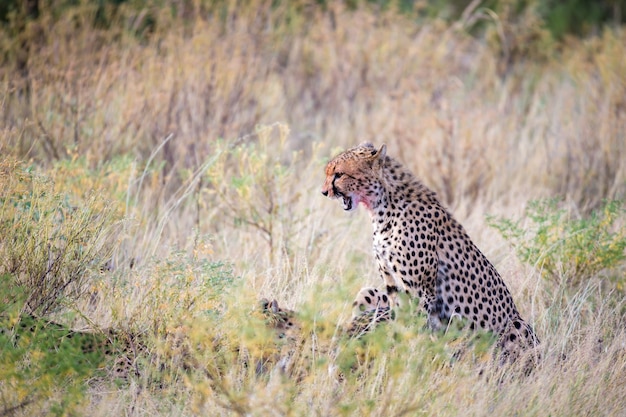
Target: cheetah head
x: 354, y: 176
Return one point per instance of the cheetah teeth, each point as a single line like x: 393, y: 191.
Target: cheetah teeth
x: 347, y: 202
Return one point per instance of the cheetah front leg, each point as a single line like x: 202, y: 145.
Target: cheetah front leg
x: 370, y: 299
x: 429, y: 303
x: 391, y: 287
x: 422, y: 287
x: 370, y: 307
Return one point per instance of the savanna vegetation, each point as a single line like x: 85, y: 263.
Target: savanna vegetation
x: 160, y: 167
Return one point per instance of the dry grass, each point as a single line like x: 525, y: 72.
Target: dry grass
x: 210, y: 138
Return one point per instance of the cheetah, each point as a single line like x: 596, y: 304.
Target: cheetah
x: 287, y: 331
x: 281, y: 320
x: 422, y: 250
x: 114, y: 351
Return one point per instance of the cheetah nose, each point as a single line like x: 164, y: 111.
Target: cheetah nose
x: 325, y: 193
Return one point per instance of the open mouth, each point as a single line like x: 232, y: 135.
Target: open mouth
x: 348, y: 204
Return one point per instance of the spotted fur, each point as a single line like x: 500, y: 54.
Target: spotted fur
x: 370, y: 307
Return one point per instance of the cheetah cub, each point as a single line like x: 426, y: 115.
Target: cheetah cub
x: 422, y: 250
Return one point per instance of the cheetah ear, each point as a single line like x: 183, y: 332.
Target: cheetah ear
x: 382, y: 152
x: 378, y: 156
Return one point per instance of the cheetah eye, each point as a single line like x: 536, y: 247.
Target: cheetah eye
x: 338, y: 175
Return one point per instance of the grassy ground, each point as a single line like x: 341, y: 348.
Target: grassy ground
x: 161, y: 185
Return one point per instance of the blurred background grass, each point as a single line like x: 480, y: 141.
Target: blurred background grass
x: 161, y: 166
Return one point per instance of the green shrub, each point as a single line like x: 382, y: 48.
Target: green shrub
x: 49, y: 242
x: 186, y: 287
x: 42, y: 364
x: 564, y: 246
x: 254, y: 182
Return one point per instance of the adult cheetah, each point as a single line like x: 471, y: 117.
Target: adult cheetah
x: 422, y: 250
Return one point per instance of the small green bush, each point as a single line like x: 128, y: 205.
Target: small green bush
x: 253, y: 180
x: 185, y: 287
x: 567, y: 247
x: 48, y: 241
x: 42, y: 364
